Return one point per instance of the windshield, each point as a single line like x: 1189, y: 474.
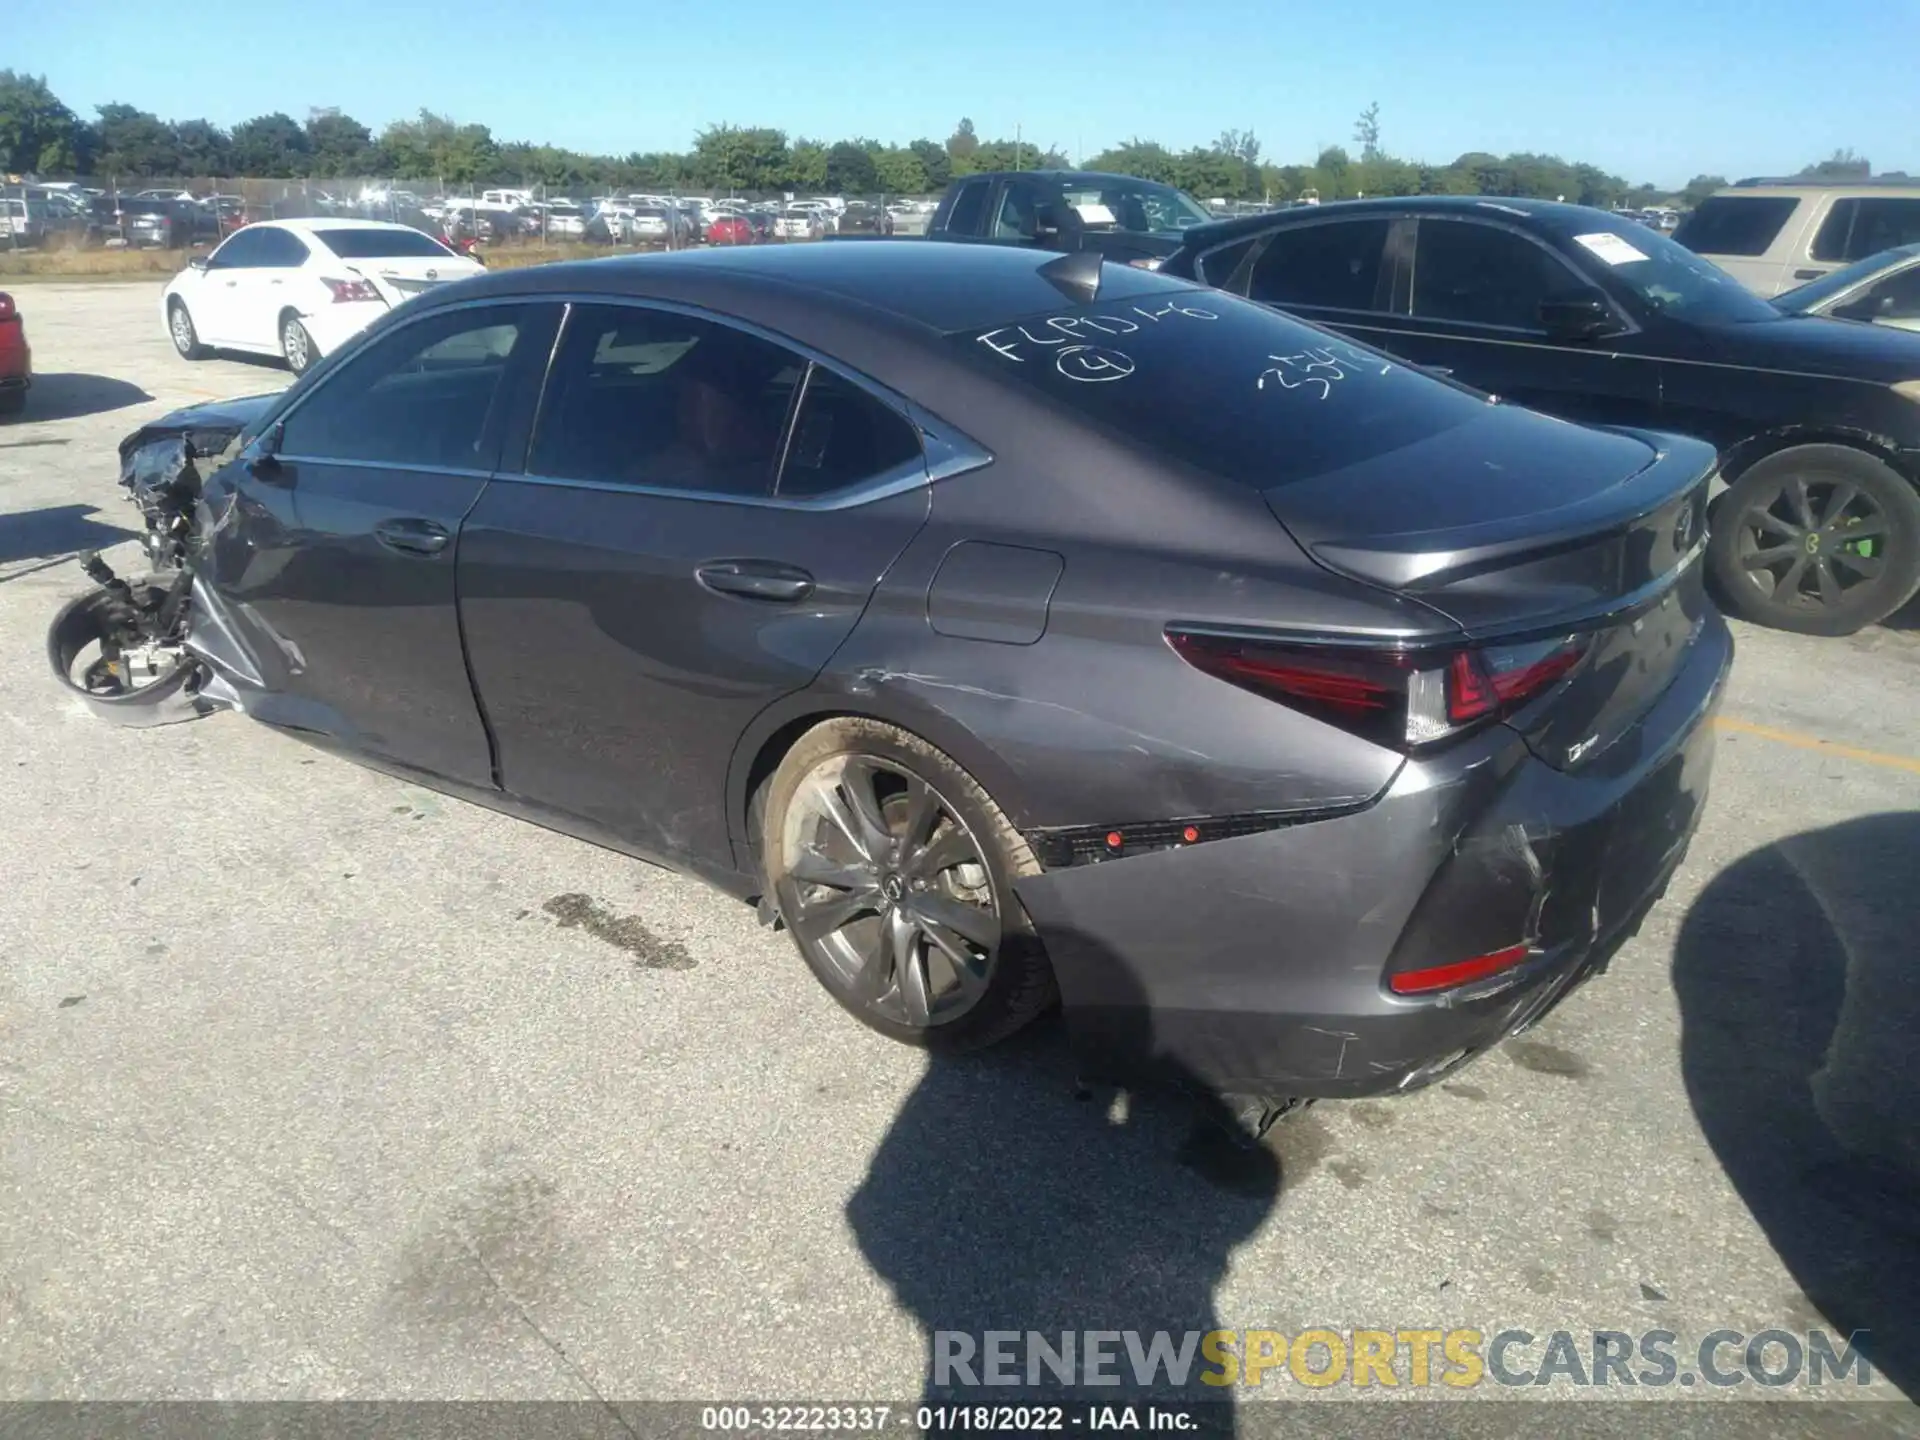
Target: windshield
x: 1223, y: 384
x: 383, y: 245
x: 1668, y: 277
x: 1817, y: 292
x: 1115, y: 203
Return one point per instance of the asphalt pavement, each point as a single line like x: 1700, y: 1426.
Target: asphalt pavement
x: 314, y: 1084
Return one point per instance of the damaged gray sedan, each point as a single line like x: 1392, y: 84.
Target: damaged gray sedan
x: 1009, y: 628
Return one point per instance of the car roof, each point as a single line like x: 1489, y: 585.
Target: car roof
x: 1069, y: 177
x: 941, y: 287
x: 315, y: 224
x: 1549, y: 214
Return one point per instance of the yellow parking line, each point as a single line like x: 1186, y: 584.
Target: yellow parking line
x: 1814, y: 742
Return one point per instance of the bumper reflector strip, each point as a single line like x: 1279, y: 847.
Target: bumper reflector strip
x: 1459, y: 972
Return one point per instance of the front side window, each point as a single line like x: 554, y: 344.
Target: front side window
x: 421, y: 395
x: 246, y: 249
x: 1892, y: 301
x: 1484, y: 275
x: 1735, y: 224
x: 969, y: 208
x: 1334, y: 265
x: 1016, y: 218
x: 654, y: 399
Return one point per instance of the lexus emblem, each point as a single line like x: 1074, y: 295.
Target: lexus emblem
x: 1683, y: 528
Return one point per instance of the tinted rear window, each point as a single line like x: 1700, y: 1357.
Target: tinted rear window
x: 382, y: 245
x: 1857, y: 228
x: 1735, y: 224
x: 1223, y: 384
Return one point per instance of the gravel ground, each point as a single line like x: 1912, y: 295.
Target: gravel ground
x: 318, y: 1085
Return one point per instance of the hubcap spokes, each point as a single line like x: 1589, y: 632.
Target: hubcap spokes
x: 885, y: 880
x: 1812, y: 542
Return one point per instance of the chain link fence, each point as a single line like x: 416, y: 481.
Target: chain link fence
x: 197, y: 212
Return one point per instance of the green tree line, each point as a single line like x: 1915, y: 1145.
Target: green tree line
x: 41, y: 135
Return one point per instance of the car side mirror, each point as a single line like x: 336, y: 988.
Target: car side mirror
x: 1577, y: 315
x: 200, y: 263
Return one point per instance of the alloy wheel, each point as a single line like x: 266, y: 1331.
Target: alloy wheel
x: 1812, y: 541
x: 293, y: 341
x: 182, y: 327
x: 884, y: 881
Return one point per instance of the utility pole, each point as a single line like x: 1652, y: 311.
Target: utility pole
x: 1019, y: 154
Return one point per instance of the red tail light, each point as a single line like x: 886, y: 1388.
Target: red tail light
x: 1405, y: 699
x: 347, y: 291
x: 7, y: 308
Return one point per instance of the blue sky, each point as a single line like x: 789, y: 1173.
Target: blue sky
x: 1655, y: 90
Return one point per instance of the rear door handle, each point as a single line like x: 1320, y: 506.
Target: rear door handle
x: 756, y: 580
x: 414, y: 537
x: 1808, y: 274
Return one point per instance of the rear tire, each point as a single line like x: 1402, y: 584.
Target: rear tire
x: 894, y: 870
x: 296, y: 344
x: 186, y: 339
x: 1818, y: 540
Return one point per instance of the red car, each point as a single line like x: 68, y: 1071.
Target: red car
x: 16, y: 360
x: 731, y: 230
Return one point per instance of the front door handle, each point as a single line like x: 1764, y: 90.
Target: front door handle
x: 1808, y: 274
x: 414, y: 537
x: 756, y: 580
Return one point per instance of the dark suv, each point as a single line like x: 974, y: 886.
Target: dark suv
x: 1595, y: 318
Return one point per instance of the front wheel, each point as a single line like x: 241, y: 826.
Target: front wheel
x: 185, y: 338
x: 894, y: 871
x: 1819, y: 540
x: 297, y: 345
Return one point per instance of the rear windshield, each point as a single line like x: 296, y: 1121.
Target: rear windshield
x: 1223, y: 384
x: 383, y: 245
x: 1735, y: 224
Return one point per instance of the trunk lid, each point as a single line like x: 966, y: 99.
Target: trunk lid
x: 1518, y: 528
x: 399, y: 278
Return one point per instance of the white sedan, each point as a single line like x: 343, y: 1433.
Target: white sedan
x: 302, y: 288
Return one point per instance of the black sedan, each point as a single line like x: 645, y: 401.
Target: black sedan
x: 1008, y: 626
x: 1586, y: 315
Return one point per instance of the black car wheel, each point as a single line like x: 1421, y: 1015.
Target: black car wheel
x: 186, y: 339
x: 894, y: 870
x: 296, y: 344
x: 1820, y: 539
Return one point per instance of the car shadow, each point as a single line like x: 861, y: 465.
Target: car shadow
x: 69, y: 396
x: 1800, y: 1008
x: 1907, y: 617
x: 55, y: 534
x: 1010, y: 1194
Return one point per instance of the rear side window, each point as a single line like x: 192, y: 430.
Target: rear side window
x: 1735, y: 224
x: 657, y: 400
x: 1477, y: 274
x: 1216, y: 382
x: 281, y: 249
x: 1336, y: 266
x: 969, y: 208
x: 420, y: 395
x: 842, y: 436
x: 1858, y: 227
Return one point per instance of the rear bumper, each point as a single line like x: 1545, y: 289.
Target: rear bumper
x: 1259, y: 964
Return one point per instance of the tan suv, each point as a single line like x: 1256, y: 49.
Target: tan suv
x: 1774, y: 235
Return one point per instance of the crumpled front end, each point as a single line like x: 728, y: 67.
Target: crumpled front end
x: 125, y: 649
